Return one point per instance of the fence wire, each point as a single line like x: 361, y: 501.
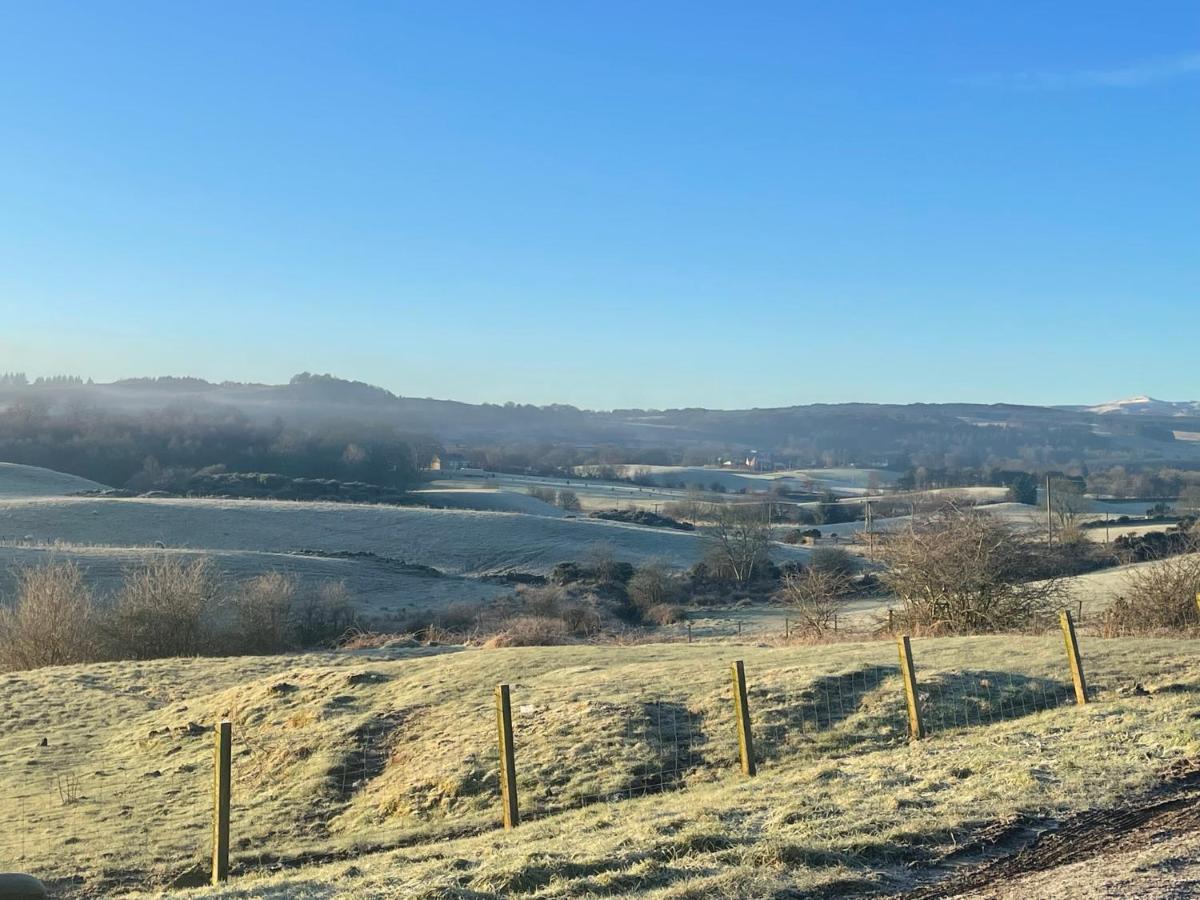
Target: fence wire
x: 115, y: 817
x: 314, y: 784
x: 300, y: 796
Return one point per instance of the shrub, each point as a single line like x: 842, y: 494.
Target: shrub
x: 263, y: 613
x: 569, y: 501
x: 542, y: 601
x: 546, y: 495
x: 1160, y: 596
x: 324, y: 616
x: 832, y: 561
x: 963, y: 572
x: 664, y: 614
x: 530, y: 631
x: 164, y: 608
x: 53, y: 621
x: 652, y: 585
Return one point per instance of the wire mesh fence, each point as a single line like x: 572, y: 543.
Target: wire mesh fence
x: 311, y: 784
x: 579, y: 745
x: 385, y: 780
x: 123, y: 816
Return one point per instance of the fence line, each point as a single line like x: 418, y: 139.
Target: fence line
x: 554, y: 747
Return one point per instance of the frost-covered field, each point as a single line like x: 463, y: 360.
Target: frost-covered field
x: 31, y: 481
x: 457, y: 542
x: 848, y: 481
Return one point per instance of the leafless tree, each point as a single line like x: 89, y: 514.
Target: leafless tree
x: 964, y: 572
x: 741, y: 540
x: 816, y: 596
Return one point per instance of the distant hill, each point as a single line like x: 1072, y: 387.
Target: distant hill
x: 1135, y: 431
x: 1144, y: 406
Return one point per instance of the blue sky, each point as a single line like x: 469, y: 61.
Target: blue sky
x: 608, y: 204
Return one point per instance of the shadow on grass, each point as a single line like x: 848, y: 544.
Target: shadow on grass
x: 974, y: 698
x: 862, y: 709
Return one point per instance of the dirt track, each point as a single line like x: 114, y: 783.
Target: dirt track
x: 1144, y: 850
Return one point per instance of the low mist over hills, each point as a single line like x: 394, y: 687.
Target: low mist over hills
x: 322, y: 426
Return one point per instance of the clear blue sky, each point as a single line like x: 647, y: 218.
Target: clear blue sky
x: 608, y: 203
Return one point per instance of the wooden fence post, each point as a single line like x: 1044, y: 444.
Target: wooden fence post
x: 1072, y: 642
x: 741, y: 708
x: 508, y: 759
x: 891, y: 621
x: 222, y: 766
x: 689, y: 632
x: 787, y: 627
x: 916, y: 727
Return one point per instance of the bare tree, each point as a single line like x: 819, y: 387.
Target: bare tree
x: 964, y: 572
x: 741, y: 540
x: 816, y: 596
x: 1067, y: 502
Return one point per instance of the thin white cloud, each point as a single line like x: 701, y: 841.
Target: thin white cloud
x: 1132, y: 76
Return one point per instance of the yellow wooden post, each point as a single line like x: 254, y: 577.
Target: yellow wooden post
x: 508, y: 759
x: 916, y: 727
x: 741, y: 708
x: 222, y: 765
x: 1072, y: 642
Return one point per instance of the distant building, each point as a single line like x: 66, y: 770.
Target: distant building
x: 447, y: 462
x: 759, y: 462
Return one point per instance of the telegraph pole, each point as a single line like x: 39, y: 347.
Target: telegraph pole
x: 1049, y: 519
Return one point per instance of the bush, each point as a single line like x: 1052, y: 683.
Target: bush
x: 530, y: 631
x: 832, y: 561
x: 164, y: 608
x: 53, y: 621
x: 963, y: 572
x: 1160, y: 596
x: 652, y: 585
x: 263, y: 613
x: 816, y: 595
x: 569, y: 501
x: 324, y: 616
x: 664, y: 614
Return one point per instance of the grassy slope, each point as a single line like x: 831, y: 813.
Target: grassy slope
x: 402, y: 758
x: 32, y: 481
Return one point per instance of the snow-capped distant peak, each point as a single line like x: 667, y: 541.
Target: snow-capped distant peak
x: 1145, y: 405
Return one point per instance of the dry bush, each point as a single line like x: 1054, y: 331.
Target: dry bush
x: 581, y: 620
x: 652, y: 585
x: 53, y: 621
x: 324, y: 616
x: 664, y: 614
x: 542, y: 600
x: 530, y: 631
x: 263, y: 613
x: 816, y: 596
x: 962, y: 572
x: 164, y: 608
x: 1159, y: 596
